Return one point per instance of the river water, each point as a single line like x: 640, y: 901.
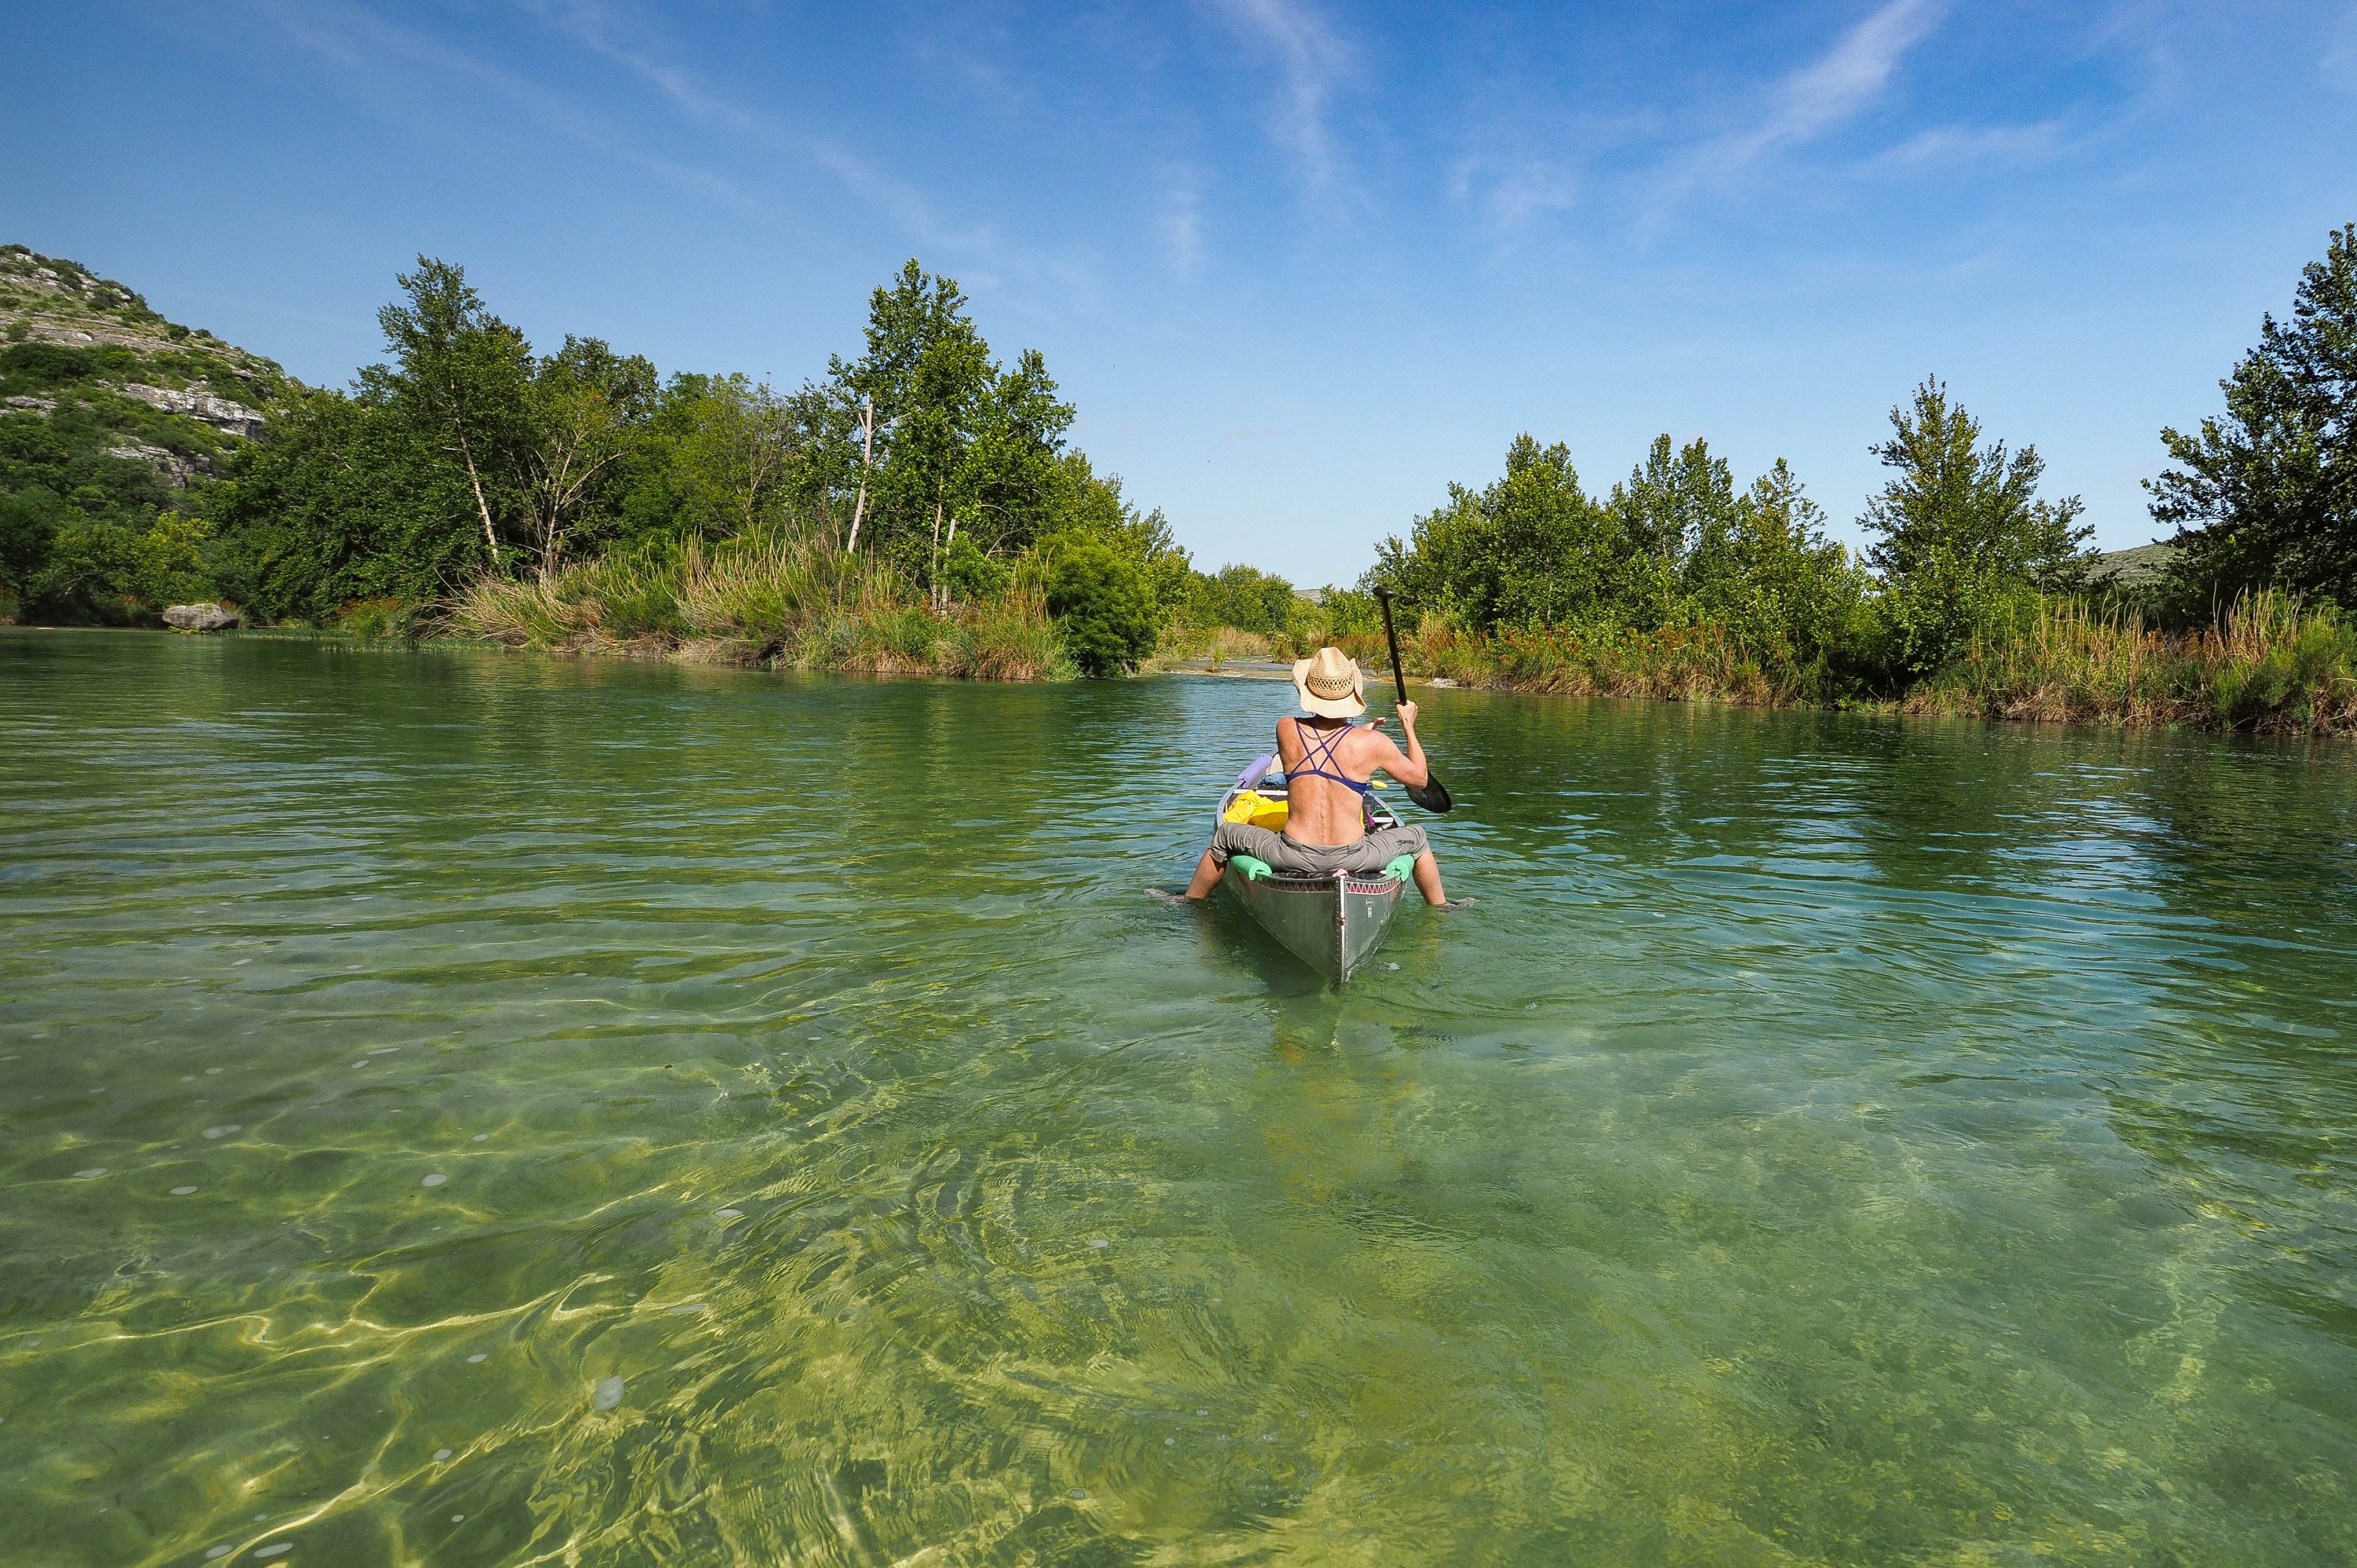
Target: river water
x: 467, y: 1108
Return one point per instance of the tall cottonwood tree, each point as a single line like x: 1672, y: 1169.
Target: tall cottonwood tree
x: 459, y: 375
x: 937, y: 437
x: 736, y: 445
x: 2266, y: 495
x: 584, y: 408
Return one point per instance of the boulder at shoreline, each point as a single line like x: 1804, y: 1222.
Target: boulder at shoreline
x: 200, y: 618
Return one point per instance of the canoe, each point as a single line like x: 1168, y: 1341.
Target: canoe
x: 1333, y: 924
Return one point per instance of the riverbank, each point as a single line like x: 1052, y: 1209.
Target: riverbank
x: 2268, y: 666
x: 784, y: 605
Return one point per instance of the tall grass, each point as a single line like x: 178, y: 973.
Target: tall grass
x: 2267, y: 664
x: 785, y: 603
x: 1182, y: 642
x: 1682, y: 663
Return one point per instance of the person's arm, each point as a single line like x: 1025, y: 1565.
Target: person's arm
x: 1407, y: 767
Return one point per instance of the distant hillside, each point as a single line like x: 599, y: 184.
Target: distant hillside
x: 2128, y: 568
x: 170, y: 396
x: 109, y: 416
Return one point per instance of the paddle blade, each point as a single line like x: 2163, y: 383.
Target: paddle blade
x: 1432, y: 794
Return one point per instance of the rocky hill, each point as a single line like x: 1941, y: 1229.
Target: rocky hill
x: 111, y: 420
x: 86, y: 355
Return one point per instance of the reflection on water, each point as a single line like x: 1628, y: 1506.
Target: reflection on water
x: 464, y: 1108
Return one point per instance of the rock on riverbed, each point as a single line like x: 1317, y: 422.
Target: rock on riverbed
x: 200, y: 618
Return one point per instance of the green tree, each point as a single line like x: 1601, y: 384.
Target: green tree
x: 2266, y: 496
x: 585, y: 409
x: 716, y: 457
x: 1792, y: 598
x: 968, y: 576
x: 1083, y: 504
x: 1677, y: 501
x: 1103, y: 606
x: 30, y: 521
x: 1245, y: 598
x: 1531, y: 550
x: 168, y: 560
x: 1962, y: 541
x: 962, y: 446
x: 461, y: 377
x: 340, y: 497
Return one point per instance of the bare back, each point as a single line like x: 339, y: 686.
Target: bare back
x: 1319, y: 810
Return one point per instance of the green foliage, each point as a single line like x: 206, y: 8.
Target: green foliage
x: 2266, y: 663
x: 968, y: 576
x: 343, y: 497
x: 1531, y: 550
x: 1349, y: 615
x: 467, y: 455
x: 1245, y: 598
x: 1675, y: 544
x: 786, y: 598
x: 1791, y: 597
x: 30, y: 521
x: 715, y: 458
x: 83, y: 533
x: 167, y: 559
x: 33, y: 367
x: 457, y: 389
x: 1104, y: 605
x: 1087, y: 505
x: 1964, y: 544
x: 2267, y: 495
x: 584, y: 409
x: 962, y: 445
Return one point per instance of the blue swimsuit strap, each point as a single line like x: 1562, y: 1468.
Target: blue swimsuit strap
x: 1323, y: 753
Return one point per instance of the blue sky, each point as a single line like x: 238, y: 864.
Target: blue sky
x: 1300, y: 264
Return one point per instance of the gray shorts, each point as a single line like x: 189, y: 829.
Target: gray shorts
x: 1370, y: 854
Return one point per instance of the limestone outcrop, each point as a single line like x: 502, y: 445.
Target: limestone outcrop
x: 199, y: 402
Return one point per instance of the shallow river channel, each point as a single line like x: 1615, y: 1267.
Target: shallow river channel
x: 466, y: 1108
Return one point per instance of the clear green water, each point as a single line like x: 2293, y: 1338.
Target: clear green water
x: 1828, y: 1140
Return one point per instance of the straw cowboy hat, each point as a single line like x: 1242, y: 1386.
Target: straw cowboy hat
x: 1331, y: 684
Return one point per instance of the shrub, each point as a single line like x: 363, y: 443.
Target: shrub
x: 1104, y: 608
x: 968, y: 577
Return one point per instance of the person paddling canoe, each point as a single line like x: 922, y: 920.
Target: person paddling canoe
x: 1329, y: 764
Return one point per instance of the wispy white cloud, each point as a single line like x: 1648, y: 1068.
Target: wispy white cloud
x: 1529, y: 189
x: 1818, y: 98
x: 384, y: 60
x: 1313, y: 60
x: 1851, y: 76
x: 625, y: 37
x: 1954, y: 144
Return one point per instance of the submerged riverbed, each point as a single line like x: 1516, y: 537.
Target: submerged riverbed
x: 466, y: 1108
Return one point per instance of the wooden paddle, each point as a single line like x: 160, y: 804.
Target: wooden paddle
x: 1432, y: 794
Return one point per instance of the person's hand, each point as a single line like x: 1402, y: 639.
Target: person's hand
x: 1407, y: 715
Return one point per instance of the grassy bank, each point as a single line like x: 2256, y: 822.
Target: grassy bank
x: 2267, y: 665
x: 1675, y: 664
x: 1187, y: 645
x: 782, y: 604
